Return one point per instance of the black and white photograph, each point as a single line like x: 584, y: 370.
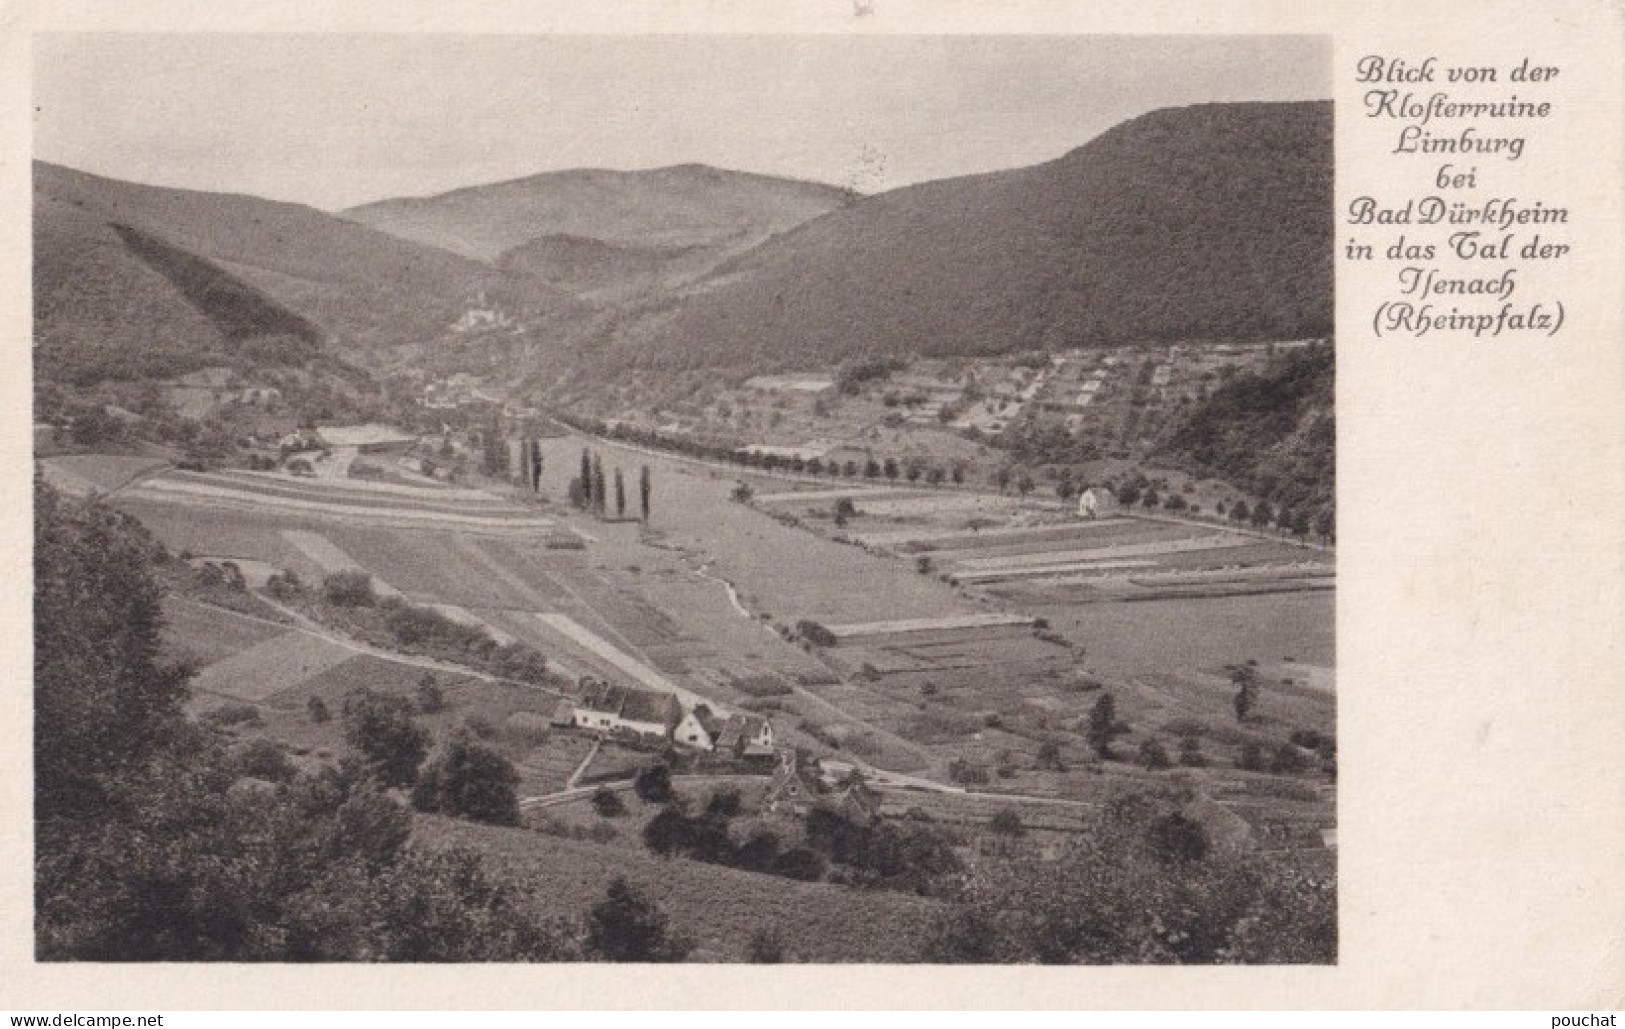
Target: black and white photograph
x: 733, y: 499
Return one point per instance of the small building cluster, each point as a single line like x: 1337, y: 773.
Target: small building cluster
x: 654, y: 716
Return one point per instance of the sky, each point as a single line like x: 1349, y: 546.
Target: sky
x: 337, y: 120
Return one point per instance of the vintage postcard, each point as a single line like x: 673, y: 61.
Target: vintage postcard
x: 859, y: 489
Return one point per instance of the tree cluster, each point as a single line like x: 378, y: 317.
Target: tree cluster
x: 1143, y: 885
x: 150, y: 844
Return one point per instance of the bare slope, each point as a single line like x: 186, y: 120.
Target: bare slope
x: 1206, y: 222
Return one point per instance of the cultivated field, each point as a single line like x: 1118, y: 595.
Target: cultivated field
x: 972, y: 639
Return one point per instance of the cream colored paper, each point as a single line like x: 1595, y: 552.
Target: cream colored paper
x: 1481, y: 581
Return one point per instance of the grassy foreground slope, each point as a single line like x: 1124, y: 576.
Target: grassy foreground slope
x: 719, y: 907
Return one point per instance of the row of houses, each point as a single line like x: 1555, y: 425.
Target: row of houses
x: 656, y: 716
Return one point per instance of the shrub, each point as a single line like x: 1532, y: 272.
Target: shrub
x: 1251, y: 759
x: 1309, y: 739
x: 1049, y: 757
x: 1154, y: 756
x: 430, y: 698
x: 725, y: 804
x: 517, y: 661
x: 230, y: 714
x: 265, y: 759
x: 965, y: 773
x: 766, y: 947
x: 815, y: 633
x: 1190, y: 753
x: 317, y: 708
x: 608, y: 803
x: 627, y: 926
x: 469, y: 780
x: 1288, y: 759
x: 527, y: 728
x: 1007, y: 823
x: 284, y: 586
x: 349, y: 589
x: 1175, y: 839
x: 653, y: 784
x: 767, y: 685
x: 800, y: 863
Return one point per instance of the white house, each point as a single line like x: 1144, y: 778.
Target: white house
x: 1097, y: 502
x: 605, y: 707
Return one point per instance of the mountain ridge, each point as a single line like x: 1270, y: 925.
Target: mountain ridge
x: 1206, y: 222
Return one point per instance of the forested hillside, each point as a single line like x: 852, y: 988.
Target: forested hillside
x: 133, y: 280
x: 1211, y: 222
x: 1270, y: 432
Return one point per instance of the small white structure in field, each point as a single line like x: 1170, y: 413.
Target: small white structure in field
x: 1096, y: 502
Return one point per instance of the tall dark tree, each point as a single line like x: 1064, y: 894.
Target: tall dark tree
x: 620, y: 494
x: 103, y: 700
x: 586, y: 477
x: 600, y: 497
x: 493, y: 450
x: 653, y: 784
x: 645, y: 489
x: 627, y: 926
x: 1245, y: 679
x: 534, y: 465
x: 381, y: 729
x: 145, y: 851
x: 1103, y: 727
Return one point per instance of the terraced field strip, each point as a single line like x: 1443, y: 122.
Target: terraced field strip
x: 321, y: 550
x: 172, y: 490
x: 80, y: 474
x: 914, y: 541
x: 938, y: 504
x: 1105, y: 553
x: 818, y: 496
x: 361, y: 486
x: 266, y: 669
x: 208, y: 634
x: 169, y: 490
x: 1134, y: 535
x: 1040, y: 571
x: 540, y: 589
x: 1257, y: 573
x: 852, y: 631
x: 336, y: 492
x: 429, y: 566
x: 572, y: 630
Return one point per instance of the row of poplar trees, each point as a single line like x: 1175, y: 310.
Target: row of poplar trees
x: 590, y: 490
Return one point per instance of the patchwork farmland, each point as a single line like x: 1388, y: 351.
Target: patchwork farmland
x: 950, y: 645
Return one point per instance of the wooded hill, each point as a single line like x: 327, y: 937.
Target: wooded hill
x: 1211, y: 222
x: 1270, y: 432
x: 133, y: 281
